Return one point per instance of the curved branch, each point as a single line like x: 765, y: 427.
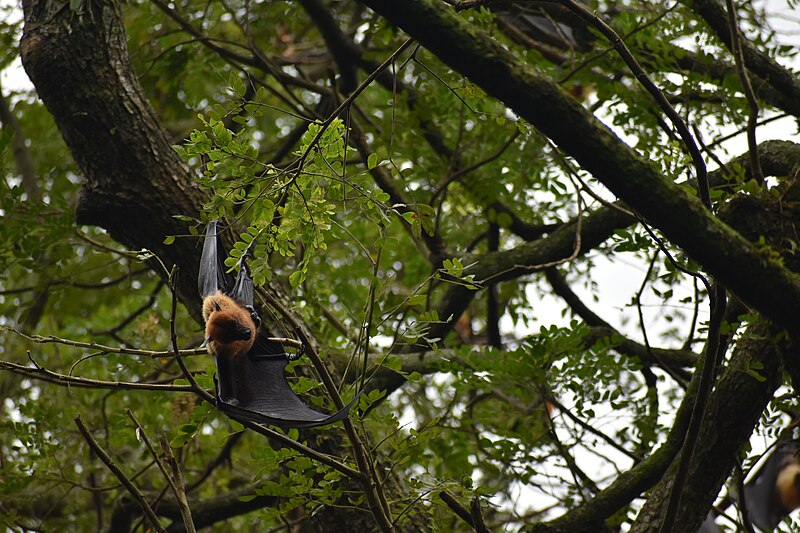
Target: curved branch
x: 49, y: 376
x: 756, y: 61
x: 736, y: 262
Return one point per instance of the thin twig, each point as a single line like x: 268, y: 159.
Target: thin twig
x: 51, y: 339
x: 738, y: 478
x: 752, y: 101
x: 172, y: 282
x: 639, y: 294
x: 126, y: 482
x: 455, y: 506
x: 617, y: 446
x: 719, y: 302
x: 639, y: 73
x: 43, y: 374
x: 177, y: 488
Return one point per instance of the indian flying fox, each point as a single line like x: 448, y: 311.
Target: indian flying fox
x: 774, y: 492
x: 250, y: 366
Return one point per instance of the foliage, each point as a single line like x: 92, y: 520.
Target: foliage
x: 371, y: 221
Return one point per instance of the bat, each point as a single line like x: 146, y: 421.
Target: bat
x: 774, y: 491
x: 252, y: 382
x: 709, y: 525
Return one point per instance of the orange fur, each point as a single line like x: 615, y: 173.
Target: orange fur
x: 230, y: 329
x: 788, y: 486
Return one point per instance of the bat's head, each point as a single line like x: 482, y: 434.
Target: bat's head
x: 226, y: 327
x: 230, y: 330
x: 788, y: 486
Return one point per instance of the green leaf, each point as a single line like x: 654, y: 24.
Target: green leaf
x: 296, y: 278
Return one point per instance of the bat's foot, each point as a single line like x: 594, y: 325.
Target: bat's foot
x: 230, y: 401
x: 254, y: 315
x: 298, y: 355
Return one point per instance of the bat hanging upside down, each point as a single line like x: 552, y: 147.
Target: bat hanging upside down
x: 250, y: 366
x: 774, y: 492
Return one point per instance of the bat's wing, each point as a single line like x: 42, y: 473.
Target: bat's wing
x: 243, y: 289
x: 253, y: 386
x: 212, y: 276
x: 261, y: 393
x: 760, y: 494
x: 709, y: 525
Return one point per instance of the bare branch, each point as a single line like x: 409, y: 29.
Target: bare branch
x: 752, y: 119
x: 126, y: 482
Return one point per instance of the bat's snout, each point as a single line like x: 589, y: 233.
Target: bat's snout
x: 242, y: 333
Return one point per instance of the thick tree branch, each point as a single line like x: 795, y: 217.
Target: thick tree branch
x: 739, y: 264
x: 82, y: 73
x: 722, y: 435
x: 756, y: 61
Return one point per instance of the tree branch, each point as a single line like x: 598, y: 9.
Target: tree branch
x: 126, y: 482
x: 737, y: 263
x: 756, y: 61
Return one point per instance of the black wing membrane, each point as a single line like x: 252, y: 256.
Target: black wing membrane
x: 761, y: 496
x: 213, y: 276
x: 708, y: 525
x: 261, y: 393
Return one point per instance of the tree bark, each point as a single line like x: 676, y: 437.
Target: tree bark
x: 134, y: 181
x: 729, y: 419
x: 739, y: 264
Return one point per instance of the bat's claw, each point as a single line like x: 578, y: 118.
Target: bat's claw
x: 298, y: 355
x: 254, y: 315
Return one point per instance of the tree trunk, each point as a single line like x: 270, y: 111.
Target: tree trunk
x: 134, y: 181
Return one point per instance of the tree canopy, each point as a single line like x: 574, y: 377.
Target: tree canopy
x: 430, y: 195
